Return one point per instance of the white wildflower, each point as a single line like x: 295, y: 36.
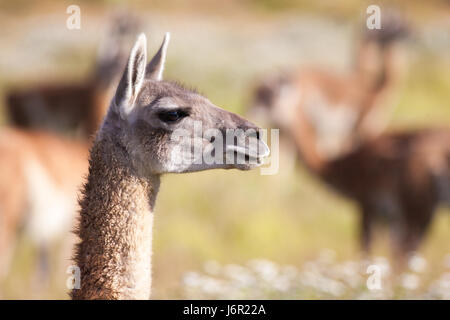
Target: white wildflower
x: 417, y: 263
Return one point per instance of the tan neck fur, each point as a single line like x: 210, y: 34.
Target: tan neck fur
x: 114, y: 255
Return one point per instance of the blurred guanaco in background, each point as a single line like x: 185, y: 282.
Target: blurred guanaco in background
x: 335, y: 110
x: 337, y: 125
x: 42, y: 165
x: 71, y: 108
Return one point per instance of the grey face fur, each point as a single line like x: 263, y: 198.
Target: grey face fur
x: 168, y: 128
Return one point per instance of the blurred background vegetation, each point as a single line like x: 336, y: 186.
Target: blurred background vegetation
x: 222, y: 48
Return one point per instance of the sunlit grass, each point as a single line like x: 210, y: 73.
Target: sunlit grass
x: 426, y: 94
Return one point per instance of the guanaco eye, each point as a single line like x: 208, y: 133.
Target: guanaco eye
x: 171, y: 116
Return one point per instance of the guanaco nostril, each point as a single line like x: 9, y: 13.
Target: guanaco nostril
x: 251, y: 132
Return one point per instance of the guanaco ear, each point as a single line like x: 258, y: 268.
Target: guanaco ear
x: 156, y: 65
x: 132, y: 78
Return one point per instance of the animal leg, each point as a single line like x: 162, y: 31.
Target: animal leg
x: 366, y: 229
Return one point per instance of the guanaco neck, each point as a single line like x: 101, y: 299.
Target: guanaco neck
x: 115, y: 229
x: 304, y: 137
x: 378, y: 83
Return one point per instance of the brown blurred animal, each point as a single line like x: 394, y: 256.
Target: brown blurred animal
x: 75, y: 108
x: 398, y: 178
x: 40, y: 171
x: 334, y: 123
x: 40, y: 175
x: 337, y: 111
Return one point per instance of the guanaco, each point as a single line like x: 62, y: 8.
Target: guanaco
x: 75, y: 108
x: 133, y: 149
x: 41, y: 169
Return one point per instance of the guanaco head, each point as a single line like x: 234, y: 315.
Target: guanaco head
x: 165, y: 127
x: 274, y: 101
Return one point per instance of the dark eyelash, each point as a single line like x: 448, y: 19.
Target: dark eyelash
x: 172, y: 116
